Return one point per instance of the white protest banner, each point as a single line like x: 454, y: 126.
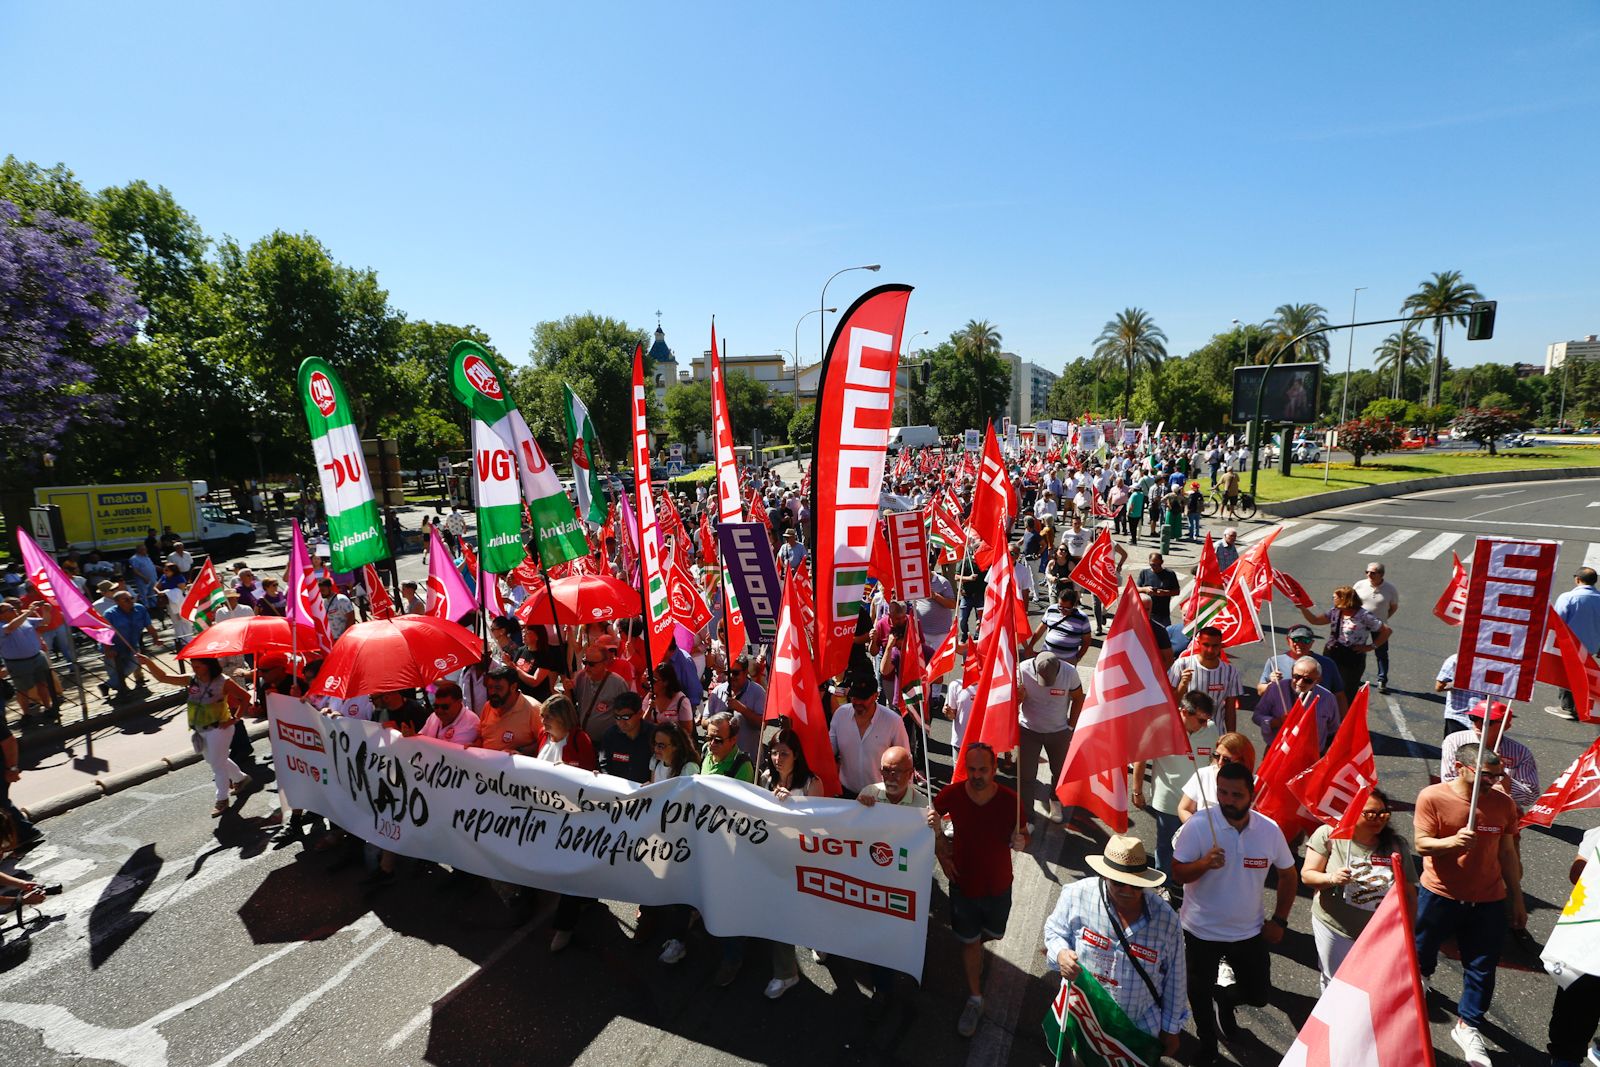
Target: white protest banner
x: 832, y: 875
x: 971, y: 440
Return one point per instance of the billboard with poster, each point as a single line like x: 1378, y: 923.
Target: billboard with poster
x: 1293, y: 393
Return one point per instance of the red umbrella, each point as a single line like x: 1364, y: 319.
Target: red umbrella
x: 406, y: 652
x: 582, y: 598
x: 248, y: 635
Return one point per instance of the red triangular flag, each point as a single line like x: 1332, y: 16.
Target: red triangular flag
x: 1577, y: 787
x: 1254, y: 568
x: 1130, y: 713
x: 994, y: 707
x: 1345, y: 829
x: 1327, y: 788
x: 1451, y: 607
x: 1292, y: 589
x: 881, y: 564
x: 1097, y: 570
x: 1372, y: 1012
x: 1566, y: 664
x: 793, y: 691
x: 1291, y: 753
x: 1104, y: 794
x: 1237, y: 620
x: 377, y: 596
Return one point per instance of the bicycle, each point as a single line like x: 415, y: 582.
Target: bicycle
x: 1243, y: 508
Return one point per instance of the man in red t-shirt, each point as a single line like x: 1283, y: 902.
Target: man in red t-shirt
x: 1471, y: 885
x: 986, y: 820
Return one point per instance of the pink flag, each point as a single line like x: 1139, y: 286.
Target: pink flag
x: 448, y: 595
x: 54, y: 585
x: 305, y: 606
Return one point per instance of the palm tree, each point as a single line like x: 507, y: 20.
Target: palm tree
x: 1403, y: 349
x: 977, y: 340
x: 1446, y: 295
x: 1133, y: 340
x: 1290, y: 321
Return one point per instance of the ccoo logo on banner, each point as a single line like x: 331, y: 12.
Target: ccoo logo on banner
x: 1503, y: 627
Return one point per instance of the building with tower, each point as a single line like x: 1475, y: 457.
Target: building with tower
x: 663, y: 364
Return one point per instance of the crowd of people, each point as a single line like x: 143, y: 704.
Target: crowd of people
x: 1176, y: 929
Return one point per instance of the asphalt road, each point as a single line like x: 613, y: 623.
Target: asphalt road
x: 185, y: 940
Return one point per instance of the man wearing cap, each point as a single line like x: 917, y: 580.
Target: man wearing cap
x: 1222, y: 856
x: 1051, y: 696
x: 1276, y: 671
x: 1118, y: 928
x: 1579, y: 608
x: 1522, y: 773
x: 861, y: 732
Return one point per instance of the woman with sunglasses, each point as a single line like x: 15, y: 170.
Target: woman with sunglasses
x: 1350, y: 878
x: 787, y: 774
x: 1353, y: 631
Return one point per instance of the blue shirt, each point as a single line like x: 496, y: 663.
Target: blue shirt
x: 1579, y: 608
x: 131, y: 625
x: 21, y: 643
x: 144, y: 566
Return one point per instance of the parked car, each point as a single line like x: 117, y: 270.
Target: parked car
x: 1306, y: 449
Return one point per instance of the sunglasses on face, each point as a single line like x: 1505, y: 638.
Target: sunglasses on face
x: 1381, y: 813
x: 624, y: 716
x: 1304, y: 678
x: 893, y: 772
x: 593, y: 662
x: 715, y: 740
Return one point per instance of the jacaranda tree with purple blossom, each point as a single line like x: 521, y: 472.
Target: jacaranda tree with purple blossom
x: 60, y: 301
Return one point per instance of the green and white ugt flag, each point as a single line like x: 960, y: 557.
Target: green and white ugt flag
x: 1085, y: 1021
x: 355, y: 535
x: 497, y: 424
x: 580, y: 433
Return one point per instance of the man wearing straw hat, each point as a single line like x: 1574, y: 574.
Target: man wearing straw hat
x: 1119, y: 929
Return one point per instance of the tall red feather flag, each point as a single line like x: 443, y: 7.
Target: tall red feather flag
x: 793, y: 692
x: 729, y: 506
x: 1451, y: 607
x: 854, y: 405
x: 1130, y: 713
x: 652, y: 578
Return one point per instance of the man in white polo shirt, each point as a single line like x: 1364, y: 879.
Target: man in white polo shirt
x: 1221, y: 856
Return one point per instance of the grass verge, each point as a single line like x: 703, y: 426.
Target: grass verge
x: 1398, y: 467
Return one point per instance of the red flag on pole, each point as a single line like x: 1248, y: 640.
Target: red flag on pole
x: 1130, y: 713
x: 794, y: 692
x: 1292, y: 589
x: 1502, y: 629
x: 1566, y: 664
x: 1238, y: 621
x: 881, y: 565
x: 1372, y: 1012
x: 943, y: 661
x: 729, y: 508
x: 1206, y: 596
x: 1328, y: 788
x: 652, y: 580
x: 1577, y: 787
x: 1291, y: 754
x: 1097, y: 570
x: 377, y: 596
x: 1452, y: 603
x: 994, y: 500
x: 1105, y: 794
x: 1345, y: 830
x: 687, y: 605
x: 1254, y: 568
x: 994, y: 707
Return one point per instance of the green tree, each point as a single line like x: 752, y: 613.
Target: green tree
x: 1079, y: 389
x: 1444, y: 294
x: 980, y: 342
x: 1368, y: 437
x: 1182, y: 393
x: 1402, y: 351
x: 1131, y: 342
x: 32, y: 188
x: 803, y: 426
x: 594, y: 354
x: 1290, y: 321
x: 955, y: 380
x: 1486, y: 425
x: 1387, y: 410
x: 687, y: 412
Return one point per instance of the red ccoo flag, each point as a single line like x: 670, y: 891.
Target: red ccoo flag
x: 794, y: 692
x: 377, y: 596
x: 1104, y: 794
x: 1292, y: 589
x: 1328, y: 788
x: 1566, y: 664
x: 1097, y: 570
x: 1578, y: 787
x: 1130, y: 713
x: 1254, y: 569
x: 994, y: 706
x: 1293, y: 751
x: 994, y: 500
x: 1372, y: 1014
x: 1452, y: 604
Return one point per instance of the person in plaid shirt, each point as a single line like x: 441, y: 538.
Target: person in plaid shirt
x: 1082, y: 932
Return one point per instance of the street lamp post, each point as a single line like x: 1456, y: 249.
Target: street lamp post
x: 261, y: 487
x: 797, y: 323
x: 822, y: 327
x: 1349, y: 352
x: 909, y: 381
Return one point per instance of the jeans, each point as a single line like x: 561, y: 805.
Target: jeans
x: 1478, y: 929
x: 1573, y: 1018
x: 967, y: 608
x: 120, y: 665
x: 1194, y: 527
x: 1381, y: 654
x: 1252, y: 972
x: 1133, y: 529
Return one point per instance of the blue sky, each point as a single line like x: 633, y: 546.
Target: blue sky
x: 1038, y: 165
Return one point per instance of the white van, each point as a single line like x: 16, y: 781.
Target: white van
x: 913, y: 437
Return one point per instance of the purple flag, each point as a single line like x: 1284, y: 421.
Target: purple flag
x: 747, y: 557
x: 54, y: 585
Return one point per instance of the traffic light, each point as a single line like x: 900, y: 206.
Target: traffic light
x: 922, y: 373
x: 1480, y: 320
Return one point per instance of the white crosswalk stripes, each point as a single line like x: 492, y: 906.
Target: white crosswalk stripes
x: 1305, y: 534
x: 1386, y: 545
x: 1348, y: 538
x: 1592, y: 557
x: 1436, y: 547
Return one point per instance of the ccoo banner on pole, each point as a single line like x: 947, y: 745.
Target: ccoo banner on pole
x: 1502, y: 629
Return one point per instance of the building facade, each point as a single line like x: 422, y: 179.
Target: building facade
x: 1030, y: 390
x: 1577, y: 351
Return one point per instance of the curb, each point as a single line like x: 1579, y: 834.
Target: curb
x: 53, y: 735
x: 1305, y: 505
x: 108, y: 784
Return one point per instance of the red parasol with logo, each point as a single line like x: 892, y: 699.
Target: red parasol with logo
x: 581, y: 598
x: 247, y: 636
x: 406, y: 652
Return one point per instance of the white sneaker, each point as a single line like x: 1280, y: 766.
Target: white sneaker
x: 1471, y: 1042
x: 779, y: 986
x: 1225, y: 973
x: 1057, y: 816
x: 672, y: 951
x: 1594, y: 1053
x: 819, y: 956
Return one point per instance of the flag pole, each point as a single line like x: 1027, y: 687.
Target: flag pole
x: 1194, y: 755
x: 1477, y: 783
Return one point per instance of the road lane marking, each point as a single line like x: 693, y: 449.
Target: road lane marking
x: 1495, y: 496
x: 1474, y: 522
x: 1591, y: 558
x: 1261, y: 531
x: 1388, y: 544
x: 402, y: 1035
x: 1346, y: 539
x: 1436, y: 548
x: 1306, y: 533
x: 1413, y: 747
